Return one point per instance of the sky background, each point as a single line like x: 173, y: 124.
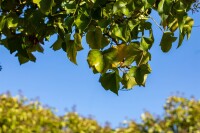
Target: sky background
x: 59, y: 83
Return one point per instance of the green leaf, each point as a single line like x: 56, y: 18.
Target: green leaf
x: 2, y: 22
x: 189, y: 22
x: 110, y: 56
x: 94, y: 38
x: 77, y: 41
x: 146, y: 43
x: 96, y: 13
x: 186, y: 29
x: 31, y: 57
x: 69, y: 23
x: 173, y: 25
x: 103, y: 23
x: 104, y: 41
x: 12, y: 21
x: 39, y: 48
x: 118, y: 32
x: 151, y: 2
x: 95, y: 60
x: 120, y: 7
x: 160, y: 6
x: 167, y: 40
x: 128, y: 79
x: 167, y: 6
x: 141, y: 74
x: 45, y: 6
x: 82, y: 22
x: 111, y: 81
x: 57, y: 44
x: 70, y: 6
x: 71, y: 50
x: 132, y: 24
x: 70, y: 47
x: 22, y: 59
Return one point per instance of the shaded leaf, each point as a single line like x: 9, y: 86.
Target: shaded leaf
x: 94, y: 38
x: 111, y: 81
x: 167, y: 40
x: 141, y: 74
x: 57, y: 44
x: 45, y: 6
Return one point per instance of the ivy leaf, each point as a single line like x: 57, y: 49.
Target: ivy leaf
x: 167, y: 40
x: 111, y: 81
x: 95, y: 60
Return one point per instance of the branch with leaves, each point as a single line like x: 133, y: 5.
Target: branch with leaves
x: 26, y: 24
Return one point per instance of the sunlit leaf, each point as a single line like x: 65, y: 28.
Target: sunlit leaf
x: 95, y: 60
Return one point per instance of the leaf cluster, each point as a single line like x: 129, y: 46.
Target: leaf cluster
x: 118, y: 32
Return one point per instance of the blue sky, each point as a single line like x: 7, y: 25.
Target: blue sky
x: 59, y: 83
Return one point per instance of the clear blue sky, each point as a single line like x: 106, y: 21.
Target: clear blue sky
x: 61, y: 84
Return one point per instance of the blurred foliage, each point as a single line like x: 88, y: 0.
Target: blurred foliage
x: 19, y: 115
x: 119, y: 33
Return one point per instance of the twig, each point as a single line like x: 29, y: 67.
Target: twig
x: 156, y: 23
